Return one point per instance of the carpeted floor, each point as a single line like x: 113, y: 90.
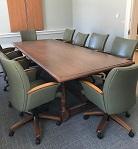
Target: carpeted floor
x: 76, y: 133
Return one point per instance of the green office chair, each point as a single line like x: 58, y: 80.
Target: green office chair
x: 24, y: 62
x: 117, y: 96
x: 6, y: 50
x: 28, y: 35
x: 10, y: 53
x: 97, y: 41
x: 68, y: 35
x: 22, y: 59
x: 124, y: 47
x: 27, y: 93
x: 80, y: 39
x: 13, y: 54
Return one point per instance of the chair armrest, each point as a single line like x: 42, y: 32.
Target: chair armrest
x: 9, y: 49
x: 97, y: 89
x: 31, y: 73
x: 40, y: 87
x: 19, y: 58
x: 24, y: 62
x: 41, y: 94
x: 13, y: 54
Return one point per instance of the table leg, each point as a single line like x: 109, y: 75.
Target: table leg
x: 64, y: 111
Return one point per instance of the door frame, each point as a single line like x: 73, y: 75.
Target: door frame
x: 131, y: 20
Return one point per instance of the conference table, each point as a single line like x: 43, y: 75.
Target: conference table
x: 65, y: 62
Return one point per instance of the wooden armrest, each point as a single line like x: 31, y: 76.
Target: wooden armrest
x: 41, y: 87
x: 93, y: 86
x: 19, y: 58
x: 30, y: 69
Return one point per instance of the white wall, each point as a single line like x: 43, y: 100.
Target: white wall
x: 134, y: 19
x: 4, y: 17
x: 84, y: 15
x: 103, y: 16
x: 58, y: 14
x: 57, y: 17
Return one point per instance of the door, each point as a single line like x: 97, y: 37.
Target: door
x: 25, y: 14
x: 133, y: 26
x: 17, y: 13
x: 34, y: 14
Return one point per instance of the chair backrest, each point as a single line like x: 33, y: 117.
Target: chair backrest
x: 2, y: 55
x: 1, y: 48
x: 68, y: 35
x: 80, y: 39
x: 120, y: 89
x: 18, y: 81
x: 28, y: 35
x: 124, y: 47
x: 98, y: 41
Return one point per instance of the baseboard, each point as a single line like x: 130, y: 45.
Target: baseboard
x: 7, y: 38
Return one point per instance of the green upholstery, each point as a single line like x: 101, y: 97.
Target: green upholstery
x: 124, y: 47
x: 28, y: 35
x: 2, y: 55
x: 97, y: 41
x: 119, y: 90
x: 20, y: 85
x: 32, y: 75
x: 68, y: 35
x: 13, y: 54
x: 80, y: 39
x: 22, y: 60
x: 10, y: 52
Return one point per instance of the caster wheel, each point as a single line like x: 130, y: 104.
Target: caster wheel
x: 58, y: 123
x: 9, y: 105
x: 85, y: 117
x: 21, y: 114
x: 127, y: 114
x: 131, y: 134
x: 11, y: 133
x: 100, y: 135
x: 37, y: 141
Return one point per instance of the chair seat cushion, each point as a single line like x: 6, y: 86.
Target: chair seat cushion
x: 36, y: 83
x: 95, y: 79
x: 99, y: 81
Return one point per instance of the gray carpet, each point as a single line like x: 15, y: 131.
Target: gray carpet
x: 76, y: 133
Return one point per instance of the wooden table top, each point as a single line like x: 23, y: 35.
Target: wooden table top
x: 66, y: 62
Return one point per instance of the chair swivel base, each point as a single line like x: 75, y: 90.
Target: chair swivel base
x: 105, y: 120
x: 36, y: 124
